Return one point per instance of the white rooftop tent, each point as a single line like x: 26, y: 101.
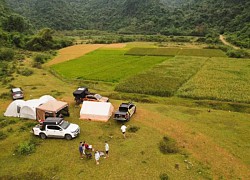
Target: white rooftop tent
x: 96, y: 111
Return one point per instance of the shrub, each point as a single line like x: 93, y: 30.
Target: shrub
x: 237, y: 53
x: 168, y: 145
x: 164, y: 176
x: 2, y: 135
x: 25, y: 72
x: 6, y: 54
x: 41, y: 58
x: 133, y: 129
x: 5, y: 95
x: 25, y: 148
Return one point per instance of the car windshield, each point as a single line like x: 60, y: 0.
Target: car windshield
x: 64, y: 124
x: 98, y: 96
x: 123, y: 109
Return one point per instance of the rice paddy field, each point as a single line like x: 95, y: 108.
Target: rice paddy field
x: 176, y: 51
x: 209, y: 143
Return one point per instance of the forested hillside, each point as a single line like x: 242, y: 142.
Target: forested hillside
x: 178, y: 17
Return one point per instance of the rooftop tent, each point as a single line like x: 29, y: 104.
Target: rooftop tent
x: 13, y: 109
x: 51, y: 107
x: 97, y: 111
x: 28, y: 110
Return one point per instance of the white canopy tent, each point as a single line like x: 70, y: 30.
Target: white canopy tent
x: 96, y: 111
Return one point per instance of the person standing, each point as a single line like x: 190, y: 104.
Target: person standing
x: 81, y: 150
x: 106, y: 149
x: 97, y: 157
x: 123, y: 129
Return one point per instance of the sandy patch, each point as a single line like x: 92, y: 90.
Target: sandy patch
x: 73, y: 52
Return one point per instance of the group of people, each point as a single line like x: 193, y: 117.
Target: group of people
x: 84, y: 148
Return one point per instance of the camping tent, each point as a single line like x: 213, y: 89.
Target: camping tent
x: 97, y: 111
x: 26, y: 109
x: 13, y: 110
x: 46, y: 98
x: 51, y: 107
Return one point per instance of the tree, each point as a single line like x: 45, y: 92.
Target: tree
x: 15, y: 23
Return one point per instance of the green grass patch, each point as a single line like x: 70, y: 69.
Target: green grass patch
x: 105, y: 65
x: 220, y: 79
x: 164, y: 79
x: 176, y: 51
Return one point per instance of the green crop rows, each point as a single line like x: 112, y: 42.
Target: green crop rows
x: 220, y: 79
x: 163, y: 79
x: 176, y: 51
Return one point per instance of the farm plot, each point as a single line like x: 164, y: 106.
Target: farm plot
x: 153, y: 51
x: 176, y: 51
x: 220, y: 79
x: 164, y: 79
x: 105, y: 65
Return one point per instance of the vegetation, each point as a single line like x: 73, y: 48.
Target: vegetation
x: 220, y: 79
x: 105, y: 65
x: 176, y: 51
x: 163, y: 79
x: 179, y: 17
x: 168, y: 145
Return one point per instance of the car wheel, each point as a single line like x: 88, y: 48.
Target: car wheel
x: 43, y: 136
x: 68, y: 137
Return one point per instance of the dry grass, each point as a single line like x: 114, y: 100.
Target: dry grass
x: 73, y: 52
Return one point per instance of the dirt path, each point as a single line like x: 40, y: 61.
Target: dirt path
x: 76, y: 51
x: 222, y: 163
x: 223, y: 40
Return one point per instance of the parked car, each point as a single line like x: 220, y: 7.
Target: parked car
x: 125, y: 111
x: 57, y: 128
x: 17, y: 93
x: 96, y: 97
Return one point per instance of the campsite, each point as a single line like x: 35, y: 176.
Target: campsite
x: 202, y: 137
x: 159, y: 89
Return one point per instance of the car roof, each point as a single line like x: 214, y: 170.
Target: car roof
x: 16, y: 89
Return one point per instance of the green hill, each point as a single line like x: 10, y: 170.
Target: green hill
x: 167, y: 17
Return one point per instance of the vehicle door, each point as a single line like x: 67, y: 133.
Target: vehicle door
x: 131, y: 109
x: 54, y: 131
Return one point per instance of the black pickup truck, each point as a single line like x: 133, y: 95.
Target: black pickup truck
x: 125, y: 111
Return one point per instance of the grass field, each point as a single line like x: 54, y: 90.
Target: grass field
x: 105, y: 65
x: 163, y: 79
x: 220, y: 79
x: 212, y: 144
x: 176, y: 51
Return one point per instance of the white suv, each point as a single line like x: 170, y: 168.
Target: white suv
x: 57, y: 128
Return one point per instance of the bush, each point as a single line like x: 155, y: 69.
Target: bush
x: 133, y: 129
x: 25, y: 148
x: 41, y: 58
x: 168, y: 145
x: 164, y: 176
x: 2, y: 135
x: 5, y: 95
x: 25, y: 72
x: 6, y: 54
x: 237, y: 53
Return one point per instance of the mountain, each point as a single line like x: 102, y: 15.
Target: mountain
x: 177, y: 17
